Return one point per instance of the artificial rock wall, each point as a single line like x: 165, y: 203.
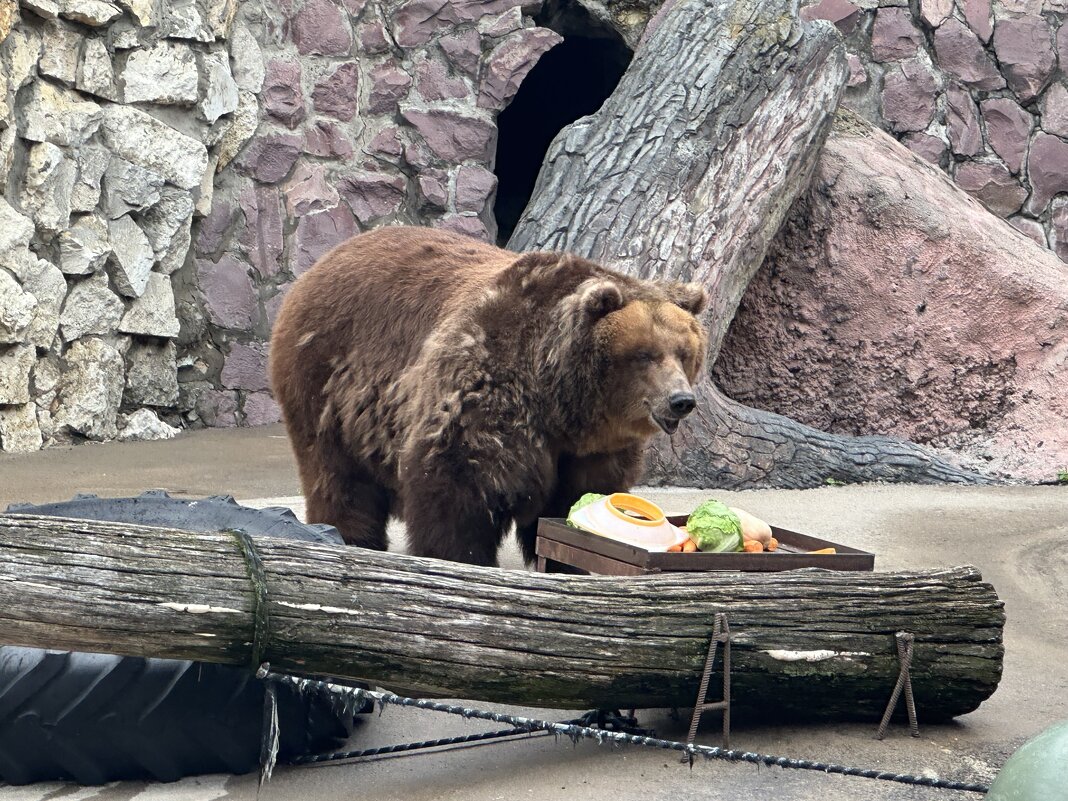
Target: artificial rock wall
x: 170, y: 167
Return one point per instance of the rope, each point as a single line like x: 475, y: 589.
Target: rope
x: 576, y: 732
x: 257, y: 576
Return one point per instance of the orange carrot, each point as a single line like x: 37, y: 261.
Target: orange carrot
x: 752, y: 546
x: 824, y: 550
x: 689, y: 546
x: 773, y: 544
x: 675, y: 549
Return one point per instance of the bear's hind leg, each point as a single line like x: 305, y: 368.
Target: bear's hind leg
x: 339, y: 493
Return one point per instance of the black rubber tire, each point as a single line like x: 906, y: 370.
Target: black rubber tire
x: 95, y: 718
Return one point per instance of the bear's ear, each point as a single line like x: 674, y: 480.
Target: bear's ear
x: 691, y: 297
x: 600, y: 297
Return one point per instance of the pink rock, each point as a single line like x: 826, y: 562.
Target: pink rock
x: 908, y: 99
x: 1025, y: 50
x: 274, y: 305
x: 260, y: 409
x: 270, y: 158
x: 991, y: 183
x: 262, y: 235
x: 1059, y: 227
x: 461, y: 224
x: 455, y: 136
x: 474, y: 185
x: 434, y: 82
x: 282, y: 93
x: 373, y: 195
x: 893, y: 36
x: 1032, y: 229
x: 936, y: 323
x: 246, y: 366
x: 217, y: 409
x: 434, y: 187
x: 959, y: 53
x: 318, y: 233
x: 1008, y: 128
x: 308, y: 191
x: 1047, y: 167
x: 962, y: 122
x: 389, y: 83
x: 463, y: 50
x: 1062, y: 46
x: 1055, y: 110
x: 416, y: 21
x: 977, y: 15
x: 229, y: 297
x: 935, y: 12
x: 930, y: 148
x: 212, y: 229
x: 841, y: 13
x: 418, y: 155
x: 373, y: 38
x: 858, y: 75
x: 386, y: 145
x: 327, y: 139
x: 354, y: 7
x: 320, y: 28
x: 501, y: 24
x: 336, y: 92
x: 510, y: 62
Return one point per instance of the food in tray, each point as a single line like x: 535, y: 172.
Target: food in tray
x: 713, y: 527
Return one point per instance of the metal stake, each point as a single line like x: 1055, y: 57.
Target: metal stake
x: 721, y: 633
x: 904, y: 681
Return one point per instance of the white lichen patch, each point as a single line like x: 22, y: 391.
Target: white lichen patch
x: 199, y: 609
x: 812, y: 656
x: 330, y: 610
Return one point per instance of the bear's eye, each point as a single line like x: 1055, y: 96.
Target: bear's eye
x: 645, y: 357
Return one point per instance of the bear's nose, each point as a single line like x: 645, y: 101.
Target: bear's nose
x: 682, y: 403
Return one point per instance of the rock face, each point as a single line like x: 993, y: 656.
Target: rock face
x: 90, y: 389
x: 957, y: 340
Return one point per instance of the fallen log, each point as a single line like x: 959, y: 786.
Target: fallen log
x: 807, y: 644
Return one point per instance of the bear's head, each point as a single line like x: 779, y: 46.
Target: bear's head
x: 619, y: 355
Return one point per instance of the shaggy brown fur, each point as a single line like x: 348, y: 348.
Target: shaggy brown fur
x: 462, y: 387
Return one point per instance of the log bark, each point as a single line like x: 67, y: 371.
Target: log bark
x: 687, y: 172
x: 807, y: 644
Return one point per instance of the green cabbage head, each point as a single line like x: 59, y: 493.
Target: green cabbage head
x: 585, y: 500
x: 715, y: 528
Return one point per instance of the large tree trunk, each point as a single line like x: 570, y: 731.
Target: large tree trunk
x: 959, y: 339
x: 687, y: 171
x: 812, y: 644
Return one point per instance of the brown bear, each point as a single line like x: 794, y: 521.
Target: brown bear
x: 464, y: 388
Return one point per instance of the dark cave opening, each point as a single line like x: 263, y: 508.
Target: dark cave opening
x: 570, y: 81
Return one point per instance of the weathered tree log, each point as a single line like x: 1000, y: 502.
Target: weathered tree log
x: 687, y: 171
x: 959, y: 341
x: 810, y: 644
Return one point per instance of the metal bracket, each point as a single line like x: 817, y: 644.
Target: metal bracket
x: 905, y: 641
x: 721, y: 633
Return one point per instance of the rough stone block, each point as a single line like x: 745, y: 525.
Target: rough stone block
x: 19, y: 431
x: 454, y: 136
x: 84, y: 247
x: 247, y: 59
x: 1032, y: 229
x: 1059, y: 227
x: 993, y: 184
x: 262, y: 235
x: 893, y: 35
x: 90, y: 308
x: 246, y: 366
x: 170, y: 215
x: 1008, y: 128
x: 977, y: 13
x: 1055, y: 110
x: 153, y: 313
x: 282, y: 94
x: 46, y: 283
x: 433, y: 82
x: 464, y: 224
x: 143, y: 140
x: 320, y: 28
x: 96, y: 74
x: 59, y: 56
x: 92, y: 162
x: 373, y: 195
x: 1047, y: 167
x: 389, y: 85
x: 464, y: 50
x: 909, y: 96
x: 151, y: 374
x: 1024, y: 48
x: 260, y: 409
x: 47, y: 187
x: 165, y: 74
x: 416, y: 22
x: 474, y: 185
x: 57, y: 115
x: 220, y: 90
x: 318, y: 233
x: 243, y: 126
x: 929, y: 148
x: 309, y: 191
x: 95, y: 13
x: 229, y: 297
x: 143, y: 426
x: 959, y: 52
x: 90, y: 389
x: 510, y: 62
x: 270, y: 158
x: 962, y: 123
x: 336, y: 93
x: 15, y: 365
x: 129, y: 187
x: 15, y: 229
x: 327, y: 139
x: 132, y: 256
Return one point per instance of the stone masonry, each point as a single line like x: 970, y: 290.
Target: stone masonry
x: 172, y: 166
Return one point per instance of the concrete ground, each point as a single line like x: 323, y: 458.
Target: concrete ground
x: 1015, y: 535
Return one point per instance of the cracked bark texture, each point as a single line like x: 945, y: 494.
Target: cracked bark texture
x: 687, y: 172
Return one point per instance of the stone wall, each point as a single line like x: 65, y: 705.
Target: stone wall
x: 171, y: 166
x: 979, y: 87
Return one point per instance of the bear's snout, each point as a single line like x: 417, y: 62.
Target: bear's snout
x: 682, y: 403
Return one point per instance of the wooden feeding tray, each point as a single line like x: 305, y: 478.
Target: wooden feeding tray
x: 559, y: 542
